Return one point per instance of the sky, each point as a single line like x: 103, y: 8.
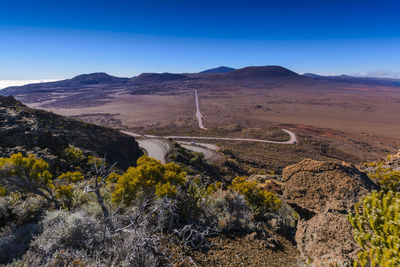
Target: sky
x: 57, y: 39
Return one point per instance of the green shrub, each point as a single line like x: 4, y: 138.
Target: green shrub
x: 376, y: 224
x: 388, y: 178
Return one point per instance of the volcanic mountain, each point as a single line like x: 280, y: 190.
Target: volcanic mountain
x: 260, y: 73
x: 222, y: 69
x: 157, y: 78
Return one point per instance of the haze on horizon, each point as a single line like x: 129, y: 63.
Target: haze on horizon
x: 47, y: 40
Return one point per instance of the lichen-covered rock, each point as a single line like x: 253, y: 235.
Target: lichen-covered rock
x: 326, y: 238
x: 317, y: 186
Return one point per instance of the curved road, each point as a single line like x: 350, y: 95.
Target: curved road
x: 292, y: 140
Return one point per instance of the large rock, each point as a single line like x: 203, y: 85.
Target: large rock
x: 317, y: 186
x: 326, y: 238
x: 323, y: 192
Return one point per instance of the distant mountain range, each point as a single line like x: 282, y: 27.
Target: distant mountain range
x: 96, y: 87
x: 373, y: 81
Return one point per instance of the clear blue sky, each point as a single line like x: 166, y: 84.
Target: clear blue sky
x: 62, y: 38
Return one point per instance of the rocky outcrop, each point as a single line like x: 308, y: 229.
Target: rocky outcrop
x: 23, y: 129
x: 326, y: 238
x: 317, y: 186
x: 322, y: 193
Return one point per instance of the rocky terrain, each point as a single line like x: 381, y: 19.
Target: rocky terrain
x: 23, y: 129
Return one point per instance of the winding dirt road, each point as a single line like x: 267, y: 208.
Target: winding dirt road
x: 158, y: 146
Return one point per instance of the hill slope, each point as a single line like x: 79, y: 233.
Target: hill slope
x: 79, y: 82
x: 26, y: 129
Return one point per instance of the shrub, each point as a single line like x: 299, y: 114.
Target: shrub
x: 65, y: 193
x: 230, y: 212
x: 214, y: 187
x: 71, y: 176
x: 27, y: 175
x: 377, y: 229
x: 92, y: 160
x: 65, y: 230
x: 3, y: 191
x: 149, y: 179
x: 388, y: 178
x: 73, y: 154
x: 261, y: 201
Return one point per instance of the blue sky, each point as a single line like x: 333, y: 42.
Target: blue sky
x: 60, y: 39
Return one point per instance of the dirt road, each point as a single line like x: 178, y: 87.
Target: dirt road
x: 198, y: 113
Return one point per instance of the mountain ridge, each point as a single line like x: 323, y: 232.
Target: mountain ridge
x: 221, y: 69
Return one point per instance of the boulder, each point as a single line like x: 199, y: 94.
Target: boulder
x: 323, y: 193
x: 316, y: 186
x: 326, y: 238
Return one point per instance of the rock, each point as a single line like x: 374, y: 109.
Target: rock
x: 322, y: 193
x: 316, y: 186
x: 326, y: 238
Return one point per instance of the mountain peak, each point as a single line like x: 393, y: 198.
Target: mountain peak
x: 261, y: 72
x: 94, y: 78
x: 158, y: 77
x: 221, y: 69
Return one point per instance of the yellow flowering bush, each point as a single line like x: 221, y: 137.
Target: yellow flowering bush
x: 65, y: 194
x: 3, y: 191
x: 27, y: 175
x: 113, y: 177
x: 73, y: 154
x: 72, y: 176
x: 148, y: 178
x: 213, y: 187
x: 92, y: 160
x: 261, y: 201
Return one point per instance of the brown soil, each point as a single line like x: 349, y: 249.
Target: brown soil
x: 236, y: 251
